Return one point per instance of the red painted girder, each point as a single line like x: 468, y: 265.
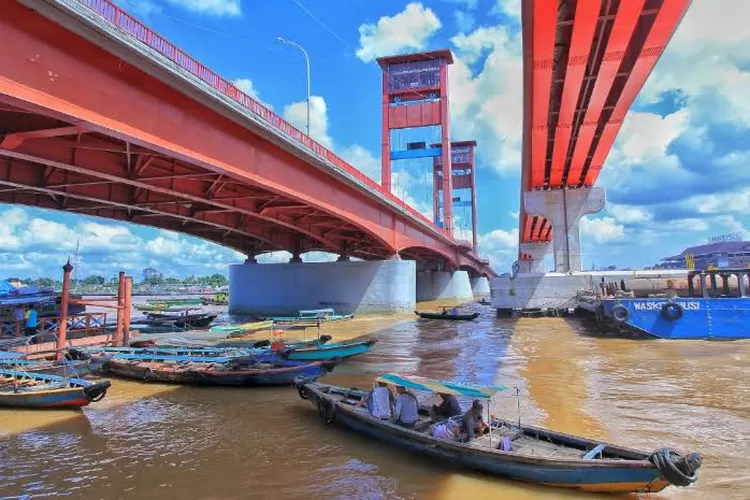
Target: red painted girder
x: 543, y: 48
x: 12, y: 141
x: 626, y: 20
x: 585, y: 21
x: 526, y: 223
x: 185, y: 193
x: 25, y: 178
x: 666, y: 23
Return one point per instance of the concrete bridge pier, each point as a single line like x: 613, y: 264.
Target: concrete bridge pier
x: 443, y: 285
x: 537, y: 252
x: 564, y: 208
x: 480, y: 286
x: 349, y: 287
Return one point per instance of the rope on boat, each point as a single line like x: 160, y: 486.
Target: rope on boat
x: 678, y: 470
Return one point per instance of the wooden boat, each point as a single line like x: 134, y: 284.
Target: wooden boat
x: 533, y: 454
x: 19, y: 389
x: 329, y: 351
x: 70, y: 368
x: 255, y: 326
x: 236, y: 372
x: 448, y: 316
x: 176, y: 302
x: 181, y: 321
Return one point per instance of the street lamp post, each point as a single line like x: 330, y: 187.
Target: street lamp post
x: 307, y: 63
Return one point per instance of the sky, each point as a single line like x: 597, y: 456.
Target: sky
x: 678, y: 172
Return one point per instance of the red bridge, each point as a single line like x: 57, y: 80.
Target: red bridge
x: 99, y: 115
x: 584, y: 63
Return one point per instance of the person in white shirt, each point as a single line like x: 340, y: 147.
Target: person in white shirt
x: 379, y: 401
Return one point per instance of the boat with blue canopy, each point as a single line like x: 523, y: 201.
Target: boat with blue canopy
x: 67, y: 367
x: 509, y: 449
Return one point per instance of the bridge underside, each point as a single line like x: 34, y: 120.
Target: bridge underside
x: 48, y: 163
x: 584, y: 64
x: 85, y: 130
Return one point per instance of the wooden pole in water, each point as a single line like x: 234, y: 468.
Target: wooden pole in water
x: 62, y: 329
x: 126, y: 326
x: 120, y: 307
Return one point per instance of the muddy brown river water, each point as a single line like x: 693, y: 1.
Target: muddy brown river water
x: 167, y: 442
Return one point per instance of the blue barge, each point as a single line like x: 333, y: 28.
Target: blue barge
x: 709, y: 312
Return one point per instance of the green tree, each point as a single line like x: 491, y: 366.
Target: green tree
x: 94, y: 280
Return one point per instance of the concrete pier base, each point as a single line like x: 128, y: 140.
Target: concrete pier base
x: 550, y: 291
x: 443, y: 285
x: 480, y: 287
x: 349, y: 287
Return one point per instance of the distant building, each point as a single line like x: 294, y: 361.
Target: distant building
x: 150, y: 273
x: 716, y: 255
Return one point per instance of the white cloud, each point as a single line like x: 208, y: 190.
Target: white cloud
x: 220, y: 8
x: 500, y: 247
x: 296, y: 114
x: 509, y: 8
x: 362, y: 160
x: 409, y: 29
x: 464, y: 20
x: 248, y: 87
x: 645, y: 136
x: 38, y: 246
x: 602, y: 229
x: 486, y: 103
x: 629, y: 214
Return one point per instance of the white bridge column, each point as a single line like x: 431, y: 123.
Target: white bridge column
x: 537, y: 251
x: 564, y: 208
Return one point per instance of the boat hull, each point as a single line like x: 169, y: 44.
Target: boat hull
x: 78, y: 392
x: 283, y: 375
x: 330, y: 351
x: 611, y: 476
x: 701, y: 318
x: 449, y: 317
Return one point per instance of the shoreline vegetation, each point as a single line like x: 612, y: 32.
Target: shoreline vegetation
x: 156, y: 285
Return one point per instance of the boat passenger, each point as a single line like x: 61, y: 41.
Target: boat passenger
x: 406, y: 412
x: 31, y: 321
x: 473, y: 422
x: 454, y: 311
x: 447, y: 430
x: 447, y: 409
x: 379, y: 401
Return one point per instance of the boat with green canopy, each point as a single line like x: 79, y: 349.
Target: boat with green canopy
x: 509, y: 449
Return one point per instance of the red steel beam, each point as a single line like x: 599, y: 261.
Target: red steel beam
x: 626, y: 20
x: 12, y: 141
x: 664, y: 27
x: 586, y: 16
x: 543, y: 47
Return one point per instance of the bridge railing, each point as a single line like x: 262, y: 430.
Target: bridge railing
x: 130, y: 25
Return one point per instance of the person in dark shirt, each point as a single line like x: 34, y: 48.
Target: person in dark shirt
x: 473, y: 421
x: 447, y: 409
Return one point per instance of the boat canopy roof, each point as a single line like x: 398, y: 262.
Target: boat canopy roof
x: 441, y: 386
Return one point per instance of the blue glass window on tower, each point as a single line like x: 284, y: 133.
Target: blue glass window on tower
x: 414, y: 75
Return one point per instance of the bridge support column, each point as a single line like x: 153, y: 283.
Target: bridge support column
x: 443, y: 285
x: 480, y: 286
x: 537, y: 252
x: 349, y: 287
x: 564, y: 208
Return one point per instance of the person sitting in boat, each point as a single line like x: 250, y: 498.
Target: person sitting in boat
x: 379, y: 401
x: 447, y: 409
x: 473, y: 422
x: 454, y: 312
x: 406, y: 411
x: 447, y: 430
